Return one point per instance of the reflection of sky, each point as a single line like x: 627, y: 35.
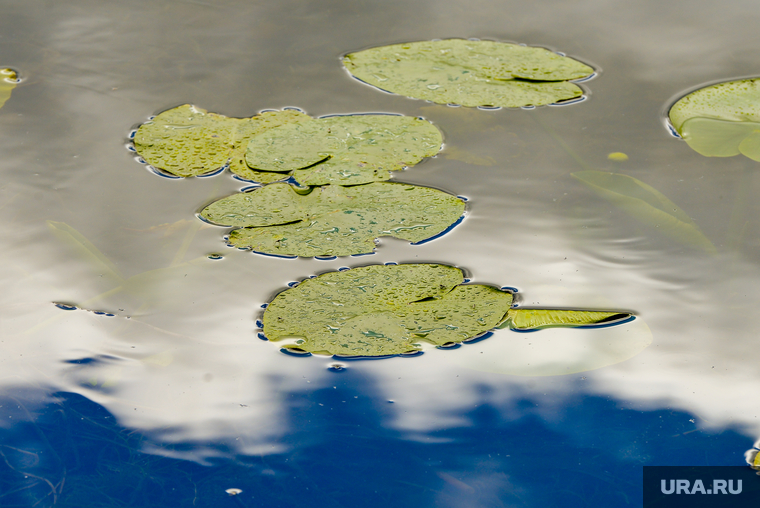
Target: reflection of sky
x: 341, y: 453
x: 180, y: 361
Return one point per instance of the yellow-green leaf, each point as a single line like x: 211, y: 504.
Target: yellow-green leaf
x: 721, y: 120
x: 647, y: 205
x: 344, y: 150
x: 333, y: 220
x: 529, y: 319
x: 470, y: 73
x: 8, y: 81
x: 189, y: 141
x: 383, y: 310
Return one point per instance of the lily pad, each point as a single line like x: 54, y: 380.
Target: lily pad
x: 189, y: 141
x: 534, y: 319
x: 332, y: 220
x: 345, y: 150
x: 470, y: 73
x: 8, y: 80
x: 722, y: 120
x: 647, y: 205
x: 383, y: 310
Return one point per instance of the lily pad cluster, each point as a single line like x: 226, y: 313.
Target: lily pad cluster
x: 275, y: 145
x: 382, y: 310
x: 342, y: 161
x: 470, y: 73
x: 342, y: 202
x: 721, y: 120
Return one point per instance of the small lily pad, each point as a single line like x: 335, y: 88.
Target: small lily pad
x: 332, y: 220
x: 470, y: 73
x: 344, y: 150
x: 381, y: 310
x: 534, y: 319
x: 8, y: 81
x: 722, y: 120
x: 189, y: 141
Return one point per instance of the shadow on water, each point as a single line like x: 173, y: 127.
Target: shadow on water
x: 70, y: 451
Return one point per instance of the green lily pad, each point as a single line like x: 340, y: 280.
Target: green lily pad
x: 345, y: 150
x: 722, y: 120
x: 8, y: 80
x: 647, y: 205
x: 383, y: 310
x: 534, y: 319
x: 189, y: 141
x: 470, y: 73
x: 332, y: 220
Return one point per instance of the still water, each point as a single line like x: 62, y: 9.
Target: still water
x: 156, y: 390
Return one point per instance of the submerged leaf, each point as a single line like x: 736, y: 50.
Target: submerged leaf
x: 389, y: 309
x: 383, y: 310
x: 529, y: 319
x: 721, y: 120
x: 333, y: 220
x: 470, y: 73
x: 190, y: 141
x: 345, y: 150
x: 8, y: 80
x: 647, y: 205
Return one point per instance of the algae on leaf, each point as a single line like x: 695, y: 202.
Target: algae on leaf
x: 332, y: 220
x: 721, y: 120
x: 8, y: 81
x: 383, y: 310
x: 344, y: 150
x: 470, y: 73
x: 648, y: 205
x: 189, y: 141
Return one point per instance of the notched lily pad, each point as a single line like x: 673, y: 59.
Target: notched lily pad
x: 189, y: 141
x: 345, y: 150
x: 384, y: 310
x: 8, y: 81
x: 470, y: 73
x: 722, y: 120
x: 332, y: 220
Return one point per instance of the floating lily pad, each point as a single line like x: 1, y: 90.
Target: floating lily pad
x: 647, y: 205
x: 470, y: 73
x: 189, y: 141
x: 383, y: 310
x: 345, y: 150
x: 332, y: 220
x: 534, y: 319
x: 8, y: 80
x: 722, y: 120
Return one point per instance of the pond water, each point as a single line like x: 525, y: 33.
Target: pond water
x: 156, y: 390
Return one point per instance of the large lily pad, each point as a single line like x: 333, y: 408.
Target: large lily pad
x: 345, y: 150
x: 8, y: 80
x: 470, y: 73
x: 332, y: 220
x: 722, y: 120
x: 383, y: 310
x: 189, y: 141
